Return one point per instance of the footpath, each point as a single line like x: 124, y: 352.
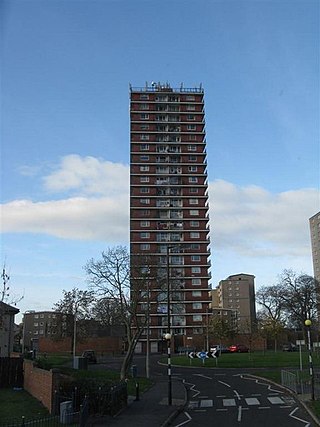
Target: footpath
x: 151, y: 409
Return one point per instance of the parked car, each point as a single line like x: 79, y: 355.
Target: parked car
x: 220, y: 348
x: 90, y: 356
x: 289, y: 347
x: 238, y: 348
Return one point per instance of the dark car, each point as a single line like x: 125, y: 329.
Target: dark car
x: 90, y: 356
x: 238, y: 348
x: 219, y: 348
x: 289, y: 347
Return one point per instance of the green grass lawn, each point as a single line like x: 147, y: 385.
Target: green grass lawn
x: 15, y: 404
x: 258, y: 359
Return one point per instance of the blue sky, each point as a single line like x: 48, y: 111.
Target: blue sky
x: 66, y: 69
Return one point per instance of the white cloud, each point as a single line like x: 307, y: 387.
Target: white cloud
x: 255, y: 222
x: 247, y: 220
x: 74, y: 218
x: 88, y: 175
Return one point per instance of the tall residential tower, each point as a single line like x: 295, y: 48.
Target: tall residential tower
x: 169, y: 220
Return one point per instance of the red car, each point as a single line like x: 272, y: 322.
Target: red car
x: 238, y: 348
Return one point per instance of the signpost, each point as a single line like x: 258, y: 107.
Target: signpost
x: 300, y: 343
x: 203, y: 355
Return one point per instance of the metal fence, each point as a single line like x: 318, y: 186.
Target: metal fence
x: 300, y: 381
x: 74, y: 410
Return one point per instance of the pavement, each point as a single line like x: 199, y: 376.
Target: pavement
x: 151, y: 409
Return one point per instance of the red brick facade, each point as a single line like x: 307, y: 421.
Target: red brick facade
x: 101, y: 345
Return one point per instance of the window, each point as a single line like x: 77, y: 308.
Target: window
x: 144, y: 190
x: 192, y: 158
x: 192, y: 137
x: 145, y: 212
x: 195, y: 258
x: 145, y: 246
x: 144, y: 158
x: 196, y: 282
x: 193, y: 201
x: 192, y: 168
x: 36, y: 316
x: 144, y: 235
x: 144, y: 179
x: 145, y: 201
x: 144, y: 147
x: 144, y: 96
x: 144, y: 127
x: 191, y: 117
x: 144, y: 223
x: 194, y: 235
x: 191, y: 127
x: 190, y: 98
x: 196, y: 293
x: 197, y: 305
x: 144, y: 137
x: 192, y: 148
x: 144, y: 106
x: 197, y: 318
x: 193, y: 190
x: 195, y: 270
x: 41, y: 316
x: 195, y: 246
x: 36, y: 324
x: 194, y: 223
x: 193, y: 179
x: 144, y: 116
x: 194, y: 212
x: 144, y: 168
x: 197, y: 331
x: 191, y: 107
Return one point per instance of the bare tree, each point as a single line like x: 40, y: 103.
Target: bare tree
x: 75, y: 305
x: 299, y: 297
x: 6, y: 295
x: 125, y: 282
x: 272, y: 316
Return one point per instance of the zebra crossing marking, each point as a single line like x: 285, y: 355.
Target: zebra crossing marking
x: 252, y: 401
x: 275, y: 400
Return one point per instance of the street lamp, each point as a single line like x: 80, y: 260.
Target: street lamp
x: 168, y: 334
x: 168, y: 338
x: 308, y: 323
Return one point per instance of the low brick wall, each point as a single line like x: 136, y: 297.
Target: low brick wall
x: 101, y: 345
x: 41, y: 383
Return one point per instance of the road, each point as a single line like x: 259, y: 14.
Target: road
x: 230, y: 397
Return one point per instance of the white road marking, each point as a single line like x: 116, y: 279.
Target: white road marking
x: 237, y: 394
x: 196, y: 392
x: 220, y: 410
x: 222, y: 395
x: 239, y: 413
x: 184, y: 422
x: 229, y: 402
x: 227, y: 385
x: 299, y: 419
x: 203, y: 376
x: 264, y: 407
x: 208, y: 403
x: 252, y: 401
x: 275, y: 400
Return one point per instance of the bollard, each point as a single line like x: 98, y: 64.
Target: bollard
x: 137, y: 392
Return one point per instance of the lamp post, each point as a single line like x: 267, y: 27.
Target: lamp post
x: 308, y: 323
x: 168, y: 334
x: 168, y: 338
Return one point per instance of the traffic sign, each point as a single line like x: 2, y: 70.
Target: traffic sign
x: 203, y: 354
